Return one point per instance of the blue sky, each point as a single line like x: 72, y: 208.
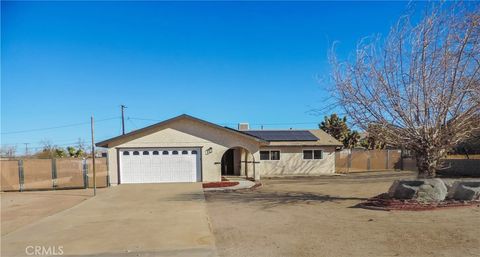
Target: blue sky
x: 226, y: 62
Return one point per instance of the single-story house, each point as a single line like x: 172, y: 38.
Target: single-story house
x: 188, y: 149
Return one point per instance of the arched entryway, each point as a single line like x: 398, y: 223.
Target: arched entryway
x: 238, y: 161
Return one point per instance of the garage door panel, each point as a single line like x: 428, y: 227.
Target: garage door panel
x: 184, y: 166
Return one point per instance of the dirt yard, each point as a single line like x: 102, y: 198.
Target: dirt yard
x: 316, y: 217
x: 22, y: 208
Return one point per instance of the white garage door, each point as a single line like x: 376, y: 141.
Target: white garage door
x: 160, y: 165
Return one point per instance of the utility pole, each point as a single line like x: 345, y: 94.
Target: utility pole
x: 93, y: 157
x: 26, y: 149
x: 123, y: 118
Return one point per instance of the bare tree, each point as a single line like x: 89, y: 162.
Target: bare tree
x: 8, y: 151
x: 420, y: 85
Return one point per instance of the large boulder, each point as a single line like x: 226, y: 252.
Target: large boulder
x: 404, y: 189
x: 465, y: 191
x: 433, y: 190
x: 422, y: 190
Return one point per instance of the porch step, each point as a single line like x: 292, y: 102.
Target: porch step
x: 235, y: 178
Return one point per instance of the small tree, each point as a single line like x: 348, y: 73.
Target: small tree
x: 338, y: 128
x: 373, y: 138
x: 50, y: 151
x: 80, y: 148
x: 59, y: 153
x: 72, y: 152
x: 8, y: 151
x: 421, y: 85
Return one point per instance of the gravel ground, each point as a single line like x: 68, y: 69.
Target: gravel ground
x: 316, y: 217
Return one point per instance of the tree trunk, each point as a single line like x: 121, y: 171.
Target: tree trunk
x: 429, y: 161
x: 426, y: 167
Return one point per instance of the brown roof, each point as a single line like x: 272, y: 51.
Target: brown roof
x: 324, y: 139
x: 105, y: 143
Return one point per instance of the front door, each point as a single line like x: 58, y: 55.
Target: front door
x: 228, y: 163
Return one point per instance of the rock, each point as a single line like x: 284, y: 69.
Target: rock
x: 433, y: 190
x: 423, y: 190
x: 404, y: 189
x: 449, y: 183
x: 465, y: 191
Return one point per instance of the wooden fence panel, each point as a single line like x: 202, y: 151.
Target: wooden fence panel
x: 341, y: 161
x: 70, y: 173
x: 394, y: 159
x: 101, y: 172
x: 359, y: 161
x: 37, y: 174
x: 9, y: 176
x: 378, y: 159
x: 409, y: 164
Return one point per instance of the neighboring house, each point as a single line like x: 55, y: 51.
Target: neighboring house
x: 187, y: 149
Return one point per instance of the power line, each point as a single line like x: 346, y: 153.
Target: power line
x: 231, y: 123
x: 133, y: 123
x: 56, y: 127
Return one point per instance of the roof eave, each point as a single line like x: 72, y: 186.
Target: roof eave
x: 105, y: 143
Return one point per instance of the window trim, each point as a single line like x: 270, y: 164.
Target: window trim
x: 270, y: 154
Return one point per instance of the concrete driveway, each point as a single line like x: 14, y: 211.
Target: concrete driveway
x: 127, y: 220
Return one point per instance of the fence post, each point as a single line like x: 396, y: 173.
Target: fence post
x: 401, y: 158
x: 54, y: 173
x: 349, y: 160
x: 368, y: 160
x: 21, y: 175
x: 387, y: 161
x: 85, y: 173
x: 108, y: 172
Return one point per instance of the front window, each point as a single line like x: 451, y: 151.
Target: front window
x: 264, y: 155
x: 312, y: 154
x: 317, y: 154
x: 270, y: 155
x: 275, y: 155
x: 307, y: 154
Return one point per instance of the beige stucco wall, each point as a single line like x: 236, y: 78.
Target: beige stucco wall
x: 185, y: 133
x: 292, y: 163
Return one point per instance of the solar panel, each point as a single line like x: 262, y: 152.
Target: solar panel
x: 283, y: 135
